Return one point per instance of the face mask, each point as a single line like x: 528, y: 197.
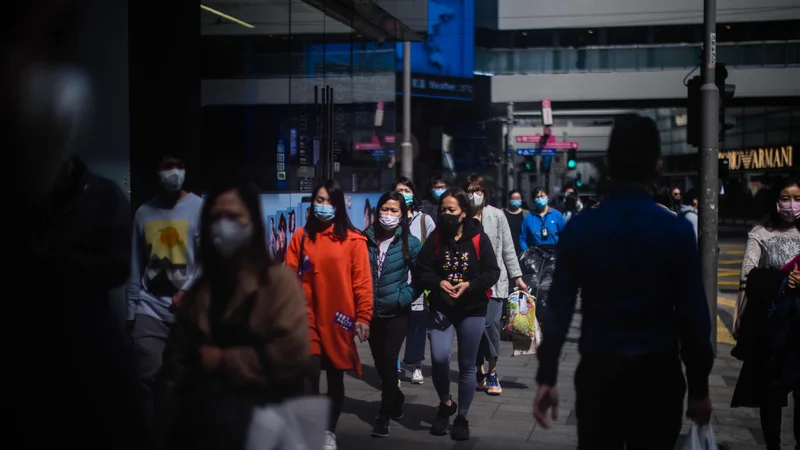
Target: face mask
x: 448, y: 223
x: 229, y: 236
x: 516, y: 204
x: 389, y: 223
x: 476, y: 199
x: 324, y: 213
x: 172, y: 180
x: 409, y: 198
x: 789, y: 211
x: 541, y: 202
x: 438, y: 193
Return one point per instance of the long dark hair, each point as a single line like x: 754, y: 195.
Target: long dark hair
x: 404, y: 180
x: 257, y: 255
x: 463, y: 201
x: 773, y: 220
x: 341, y: 221
x: 379, y: 231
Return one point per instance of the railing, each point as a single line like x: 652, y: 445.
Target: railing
x: 632, y: 58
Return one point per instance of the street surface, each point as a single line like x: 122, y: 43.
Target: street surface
x: 505, y: 422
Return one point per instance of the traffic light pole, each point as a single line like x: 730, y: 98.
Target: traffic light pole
x: 407, y: 149
x: 708, y: 245
x: 507, y: 175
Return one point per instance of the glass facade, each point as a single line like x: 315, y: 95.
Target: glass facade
x: 625, y: 58
x: 297, y: 98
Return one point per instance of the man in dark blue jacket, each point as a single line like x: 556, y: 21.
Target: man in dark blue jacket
x: 637, y: 267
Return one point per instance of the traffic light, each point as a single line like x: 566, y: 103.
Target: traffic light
x: 694, y: 107
x: 572, y: 158
x: 579, y: 181
x: 528, y: 165
x: 724, y: 168
x: 726, y: 93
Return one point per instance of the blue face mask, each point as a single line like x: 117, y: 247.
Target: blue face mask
x: 438, y: 193
x: 409, y: 199
x: 541, y: 202
x: 516, y: 203
x: 324, y: 213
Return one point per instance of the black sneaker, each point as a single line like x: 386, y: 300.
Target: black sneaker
x: 400, y: 400
x: 442, y: 419
x: 460, y: 430
x: 381, y: 427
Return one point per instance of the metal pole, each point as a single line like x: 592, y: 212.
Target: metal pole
x: 407, y: 150
x: 709, y: 155
x: 508, y: 166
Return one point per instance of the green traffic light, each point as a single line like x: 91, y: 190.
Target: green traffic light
x: 528, y: 165
x: 572, y: 163
x: 579, y: 182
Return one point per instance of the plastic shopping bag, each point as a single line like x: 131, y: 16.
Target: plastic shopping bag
x: 700, y: 438
x: 522, y: 314
x: 297, y: 424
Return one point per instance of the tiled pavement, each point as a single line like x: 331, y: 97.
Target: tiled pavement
x: 505, y: 422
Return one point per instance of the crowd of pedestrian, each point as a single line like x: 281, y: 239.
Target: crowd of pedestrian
x: 219, y: 328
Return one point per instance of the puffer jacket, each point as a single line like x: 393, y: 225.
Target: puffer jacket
x: 392, y: 292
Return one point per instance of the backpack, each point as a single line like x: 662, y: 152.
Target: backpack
x: 476, y: 243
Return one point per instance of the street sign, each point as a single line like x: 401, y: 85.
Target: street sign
x: 551, y: 142
x: 547, y: 113
x: 537, y: 151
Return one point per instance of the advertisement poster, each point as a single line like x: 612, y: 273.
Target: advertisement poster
x: 285, y: 213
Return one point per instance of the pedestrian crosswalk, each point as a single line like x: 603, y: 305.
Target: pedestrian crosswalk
x: 729, y: 267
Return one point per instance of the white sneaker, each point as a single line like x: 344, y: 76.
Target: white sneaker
x: 330, y: 441
x: 399, y: 383
x: 416, y: 378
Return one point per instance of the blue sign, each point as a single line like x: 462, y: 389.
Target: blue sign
x: 536, y: 151
x: 449, y: 48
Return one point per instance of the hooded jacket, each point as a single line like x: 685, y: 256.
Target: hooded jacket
x: 392, y: 291
x: 457, y: 261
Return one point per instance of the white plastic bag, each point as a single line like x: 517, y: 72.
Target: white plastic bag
x: 297, y: 424
x: 700, y: 438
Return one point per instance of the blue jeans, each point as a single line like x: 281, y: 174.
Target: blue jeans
x: 469, y: 331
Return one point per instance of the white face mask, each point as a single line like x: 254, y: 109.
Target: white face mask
x: 476, y: 199
x: 389, y: 223
x: 229, y: 236
x: 172, y: 180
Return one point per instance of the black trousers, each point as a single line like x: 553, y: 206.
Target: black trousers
x: 318, y: 363
x: 385, y: 339
x: 771, y: 417
x: 629, y: 402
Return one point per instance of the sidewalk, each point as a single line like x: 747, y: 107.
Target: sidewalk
x: 505, y: 422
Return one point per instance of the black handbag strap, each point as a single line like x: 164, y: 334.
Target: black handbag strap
x: 301, y: 256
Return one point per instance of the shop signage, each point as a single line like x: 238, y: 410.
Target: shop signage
x: 760, y: 158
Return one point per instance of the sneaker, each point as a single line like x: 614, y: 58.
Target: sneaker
x: 416, y: 377
x: 399, y: 382
x: 460, y: 431
x: 397, y: 412
x: 381, y: 427
x: 442, y: 419
x: 494, y: 385
x: 480, y: 382
x: 330, y: 441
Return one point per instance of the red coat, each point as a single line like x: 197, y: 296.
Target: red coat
x: 337, y: 279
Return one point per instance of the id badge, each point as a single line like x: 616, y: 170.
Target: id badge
x: 344, y: 321
x: 544, y: 232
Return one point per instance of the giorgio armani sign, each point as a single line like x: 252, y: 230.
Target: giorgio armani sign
x: 765, y: 158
